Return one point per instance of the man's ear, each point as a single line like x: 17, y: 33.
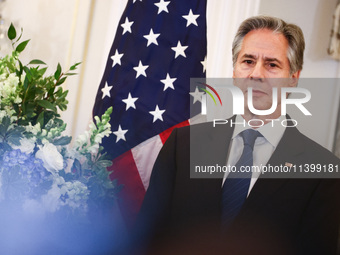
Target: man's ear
x: 234, y: 77
x: 295, y: 78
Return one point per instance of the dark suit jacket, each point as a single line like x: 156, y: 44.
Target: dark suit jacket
x: 280, y: 216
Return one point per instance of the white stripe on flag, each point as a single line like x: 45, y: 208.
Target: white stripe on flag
x: 145, y: 155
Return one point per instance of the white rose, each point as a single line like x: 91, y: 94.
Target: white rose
x: 53, y: 161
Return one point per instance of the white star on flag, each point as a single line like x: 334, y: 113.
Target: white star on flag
x: 140, y: 69
x: 151, y: 37
x: 116, y: 58
x: 168, y: 82
x: 197, y: 95
x: 130, y: 101
x: 204, y: 64
x: 162, y: 6
x: 136, y: 0
x: 127, y: 25
x: 120, y: 133
x: 191, y: 18
x: 179, y: 49
x: 106, y: 90
x: 157, y: 114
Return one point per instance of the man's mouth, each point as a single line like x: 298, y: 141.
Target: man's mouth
x: 257, y: 92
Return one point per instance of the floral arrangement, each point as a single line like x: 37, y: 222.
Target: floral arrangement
x: 40, y: 173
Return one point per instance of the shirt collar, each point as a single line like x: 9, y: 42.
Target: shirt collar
x: 272, y: 131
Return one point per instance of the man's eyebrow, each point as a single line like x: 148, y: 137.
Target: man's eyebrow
x: 249, y: 56
x: 272, y: 60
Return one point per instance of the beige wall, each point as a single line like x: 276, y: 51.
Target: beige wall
x: 315, y: 18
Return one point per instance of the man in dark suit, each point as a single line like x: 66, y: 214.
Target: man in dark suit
x: 276, y: 215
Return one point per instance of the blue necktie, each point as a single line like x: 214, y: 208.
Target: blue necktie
x: 235, y: 188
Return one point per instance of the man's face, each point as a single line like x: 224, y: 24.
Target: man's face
x: 263, y: 59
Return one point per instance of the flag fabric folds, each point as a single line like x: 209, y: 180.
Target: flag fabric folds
x: 159, y: 45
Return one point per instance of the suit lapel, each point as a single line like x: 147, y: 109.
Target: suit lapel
x: 288, y: 148
x: 209, y: 145
x: 212, y: 150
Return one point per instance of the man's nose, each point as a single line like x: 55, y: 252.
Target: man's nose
x: 257, y: 72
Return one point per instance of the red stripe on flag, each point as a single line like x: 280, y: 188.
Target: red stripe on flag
x: 132, y: 195
x: 125, y: 170
x: 165, y: 134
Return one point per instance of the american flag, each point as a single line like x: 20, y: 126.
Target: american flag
x: 159, y: 45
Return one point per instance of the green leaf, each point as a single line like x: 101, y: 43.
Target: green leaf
x: 70, y: 74
x: 28, y: 73
x: 74, y: 67
x: 61, y: 81
x: 65, y: 93
x: 16, y: 131
x: 59, y: 92
x: 57, y: 72
x: 29, y: 109
x: 16, y: 108
x: 31, y: 94
x: 104, y: 163
x: 46, y: 104
x: 37, y: 62
x: 5, y: 146
x: 15, y: 139
x: 22, y: 46
x: 51, y: 91
x: 65, y: 140
x: 21, y: 32
x: 21, y: 67
x: 4, y: 125
x: 62, y: 107
x: 39, y: 91
x: 11, y: 32
x: 42, y: 71
x: 40, y: 119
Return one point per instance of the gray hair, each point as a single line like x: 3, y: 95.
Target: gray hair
x: 293, y: 34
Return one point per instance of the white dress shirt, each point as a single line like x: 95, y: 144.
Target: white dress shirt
x: 264, y: 146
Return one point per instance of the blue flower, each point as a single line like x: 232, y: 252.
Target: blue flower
x: 14, y: 157
x: 30, y: 168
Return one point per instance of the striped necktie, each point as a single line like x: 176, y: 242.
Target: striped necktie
x: 235, y: 188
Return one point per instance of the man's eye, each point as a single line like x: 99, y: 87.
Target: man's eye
x: 272, y: 65
x: 248, y: 61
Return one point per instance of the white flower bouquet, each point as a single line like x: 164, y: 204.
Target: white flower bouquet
x: 42, y: 178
